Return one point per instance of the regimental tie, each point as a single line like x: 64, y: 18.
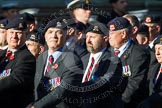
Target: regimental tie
x: 49, y: 64
x: 116, y: 52
x: 89, y: 72
x: 159, y: 76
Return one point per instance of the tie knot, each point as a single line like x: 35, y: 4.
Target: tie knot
x: 116, y: 52
x: 8, y: 53
x: 51, y: 59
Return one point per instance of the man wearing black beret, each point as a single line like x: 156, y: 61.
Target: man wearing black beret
x: 35, y: 43
x: 100, y: 65
x: 135, y: 61
x: 56, y: 69
x: 75, y: 36
x: 154, y: 24
x: 155, y: 82
x: 30, y: 21
x: 143, y: 36
x: 17, y: 68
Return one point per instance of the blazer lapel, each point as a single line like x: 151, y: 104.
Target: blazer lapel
x: 100, y: 64
x: 124, y: 57
x: 155, y: 75
x: 85, y: 60
x: 40, y: 71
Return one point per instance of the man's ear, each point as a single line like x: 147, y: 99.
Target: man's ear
x: 80, y: 35
x: 41, y: 49
x: 134, y: 29
x: 145, y: 40
x: 124, y: 34
x: 158, y: 28
x: 106, y: 38
x: 71, y: 31
x: 31, y: 27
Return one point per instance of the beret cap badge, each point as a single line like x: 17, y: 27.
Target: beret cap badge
x: 21, y: 18
x: 2, y: 25
x: 20, y: 25
x: 148, y: 19
x: 95, y: 28
x: 112, y: 27
x: 65, y: 21
x: 58, y: 24
x: 32, y: 36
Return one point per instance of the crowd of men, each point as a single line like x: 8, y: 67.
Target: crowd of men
x: 74, y: 63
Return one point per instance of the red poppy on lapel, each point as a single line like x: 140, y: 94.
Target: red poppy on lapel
x: 12, y: 57
x: 55, y: 66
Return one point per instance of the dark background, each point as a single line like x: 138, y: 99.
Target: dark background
x: 46, y: 7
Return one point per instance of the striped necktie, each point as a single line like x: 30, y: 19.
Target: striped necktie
x: 89, y: 72
x: 49, y: 64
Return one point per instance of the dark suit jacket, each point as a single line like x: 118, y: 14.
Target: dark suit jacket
x: 70, y: 71
x: 155, y: 91
x: 138, y: 59
x: 152, y: 87
x: 16, y: 90
x: 105, y: 82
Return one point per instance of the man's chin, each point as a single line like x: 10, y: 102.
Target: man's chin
x: 91, y: 50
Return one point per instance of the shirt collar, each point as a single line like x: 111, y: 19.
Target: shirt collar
x: 13, y: 50
x: 97, y: 55
x: 123, y: 47
x: 56, y: 54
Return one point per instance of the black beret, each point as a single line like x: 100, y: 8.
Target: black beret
x: 3, y: 23
x: 72, y: 23
x: 118, y: 23
x: 55, y: 24
x: 84, y: 4
x: 36, y: 37
x: 152, y: 19
x: 17, y: 23
x: 28, y: 18
x: 67, y: 21
x: 143, y: 29
x: 98, y: 28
